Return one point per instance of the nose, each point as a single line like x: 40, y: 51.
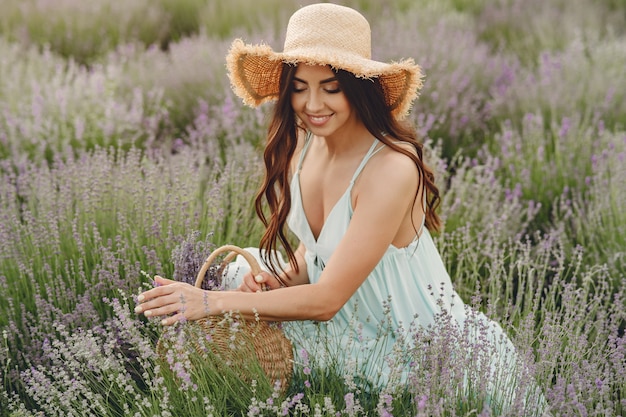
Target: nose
x: 314, y: 101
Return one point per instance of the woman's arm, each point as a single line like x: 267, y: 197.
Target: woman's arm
x: 379, y: 211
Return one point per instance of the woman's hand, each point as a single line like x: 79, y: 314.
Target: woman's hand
x: 177, y: 300
x: 253, y: 283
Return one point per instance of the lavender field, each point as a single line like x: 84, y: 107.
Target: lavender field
x: 124, y: 154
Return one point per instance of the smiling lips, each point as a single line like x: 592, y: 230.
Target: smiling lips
x: 318, y: 120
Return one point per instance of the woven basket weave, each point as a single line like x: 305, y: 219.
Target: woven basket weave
x: 253, y: 343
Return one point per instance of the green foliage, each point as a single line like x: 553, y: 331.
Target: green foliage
x: 184, y: 19
x: 527, y: 28
x: 86, y: 31
x: 593, y: 216
x: 82, y: 30
x: 224, y: 19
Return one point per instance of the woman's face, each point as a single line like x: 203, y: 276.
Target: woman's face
x: 317, y: 100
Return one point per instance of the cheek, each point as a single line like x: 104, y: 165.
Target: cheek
x: 341, y: 103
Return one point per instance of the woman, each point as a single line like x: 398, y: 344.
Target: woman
x: 348, y: 178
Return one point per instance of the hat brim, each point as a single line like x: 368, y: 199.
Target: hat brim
x: 254, y: 73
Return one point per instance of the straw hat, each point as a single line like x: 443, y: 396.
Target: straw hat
x: 321, y: 34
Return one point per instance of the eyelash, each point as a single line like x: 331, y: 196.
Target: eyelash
x: 333, y: 91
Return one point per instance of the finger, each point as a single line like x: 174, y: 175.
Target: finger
x: 160, y: 310
x: 267, y: 280
x: 155, y: 298
x: 168, y: 321
x: 258, y: 281
x: 159, y: 280
x: 155, y: 293
x: 248, y: 286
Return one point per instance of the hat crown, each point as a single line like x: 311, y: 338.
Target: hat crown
x: 329, y: 27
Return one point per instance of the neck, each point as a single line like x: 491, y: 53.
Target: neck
x: 347, y: 141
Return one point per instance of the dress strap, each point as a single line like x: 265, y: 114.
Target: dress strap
x: 372, y: 151
x: 305, y: 148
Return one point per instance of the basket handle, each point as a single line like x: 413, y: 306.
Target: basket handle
x: 234, y: 251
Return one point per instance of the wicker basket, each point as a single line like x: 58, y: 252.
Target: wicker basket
x: 253, y: 343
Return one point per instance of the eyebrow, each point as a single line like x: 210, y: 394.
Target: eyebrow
x: 327, y: 80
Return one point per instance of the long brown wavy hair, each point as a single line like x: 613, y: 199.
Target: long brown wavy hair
x: 366, y: 96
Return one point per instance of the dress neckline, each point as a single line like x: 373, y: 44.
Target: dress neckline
x: 346, y: 194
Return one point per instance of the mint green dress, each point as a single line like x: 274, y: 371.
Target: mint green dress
x: 404, y: 293
x: 404, y: 289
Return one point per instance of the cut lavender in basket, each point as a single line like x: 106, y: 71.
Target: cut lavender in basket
x: 189, y: 256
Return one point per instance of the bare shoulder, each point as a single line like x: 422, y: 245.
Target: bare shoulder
x: 390, y: 167
x: 389, y: 183
x: 404, y: 145
x: 389, y: 160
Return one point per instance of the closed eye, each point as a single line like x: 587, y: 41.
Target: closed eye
x: 298, y: 87
x: 331, y: 85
